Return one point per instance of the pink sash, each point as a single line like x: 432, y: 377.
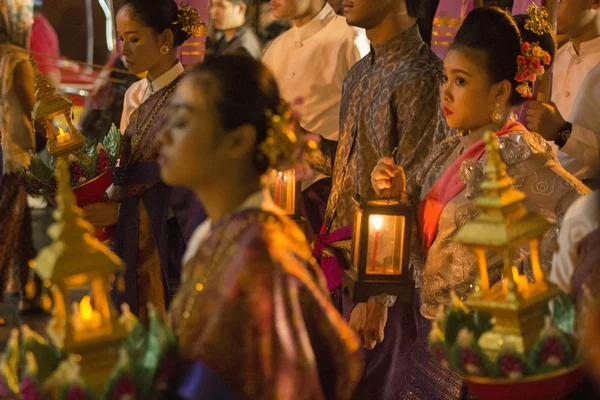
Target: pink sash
x: 333, y: 267
x: 448, y: 186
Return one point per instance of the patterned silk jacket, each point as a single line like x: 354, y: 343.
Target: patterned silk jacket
x: 391, y: 98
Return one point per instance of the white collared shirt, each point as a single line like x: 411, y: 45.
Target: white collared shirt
x: 581, y: 219
x: 259, y: 200
x: 580, y: 154
x: 310, y: 63
x: 141, y: 90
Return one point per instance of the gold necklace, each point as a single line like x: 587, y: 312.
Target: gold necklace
x: 229, y: 238
x: 139, y: 133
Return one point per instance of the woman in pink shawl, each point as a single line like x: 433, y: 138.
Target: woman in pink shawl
x: 483, y: 82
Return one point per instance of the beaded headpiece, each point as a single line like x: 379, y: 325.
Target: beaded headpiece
x: 284, y: 147
x: 189, y: 18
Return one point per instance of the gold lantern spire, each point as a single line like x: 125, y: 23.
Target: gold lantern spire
x: 76, y: 264
x: 50, y: 105
x: 504, y: 226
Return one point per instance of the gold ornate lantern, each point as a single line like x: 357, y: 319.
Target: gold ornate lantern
x: 505, y: 225
x: 80, y: 268
x: 285, y: 191
x: 51, y: 105
x: 380, y: 251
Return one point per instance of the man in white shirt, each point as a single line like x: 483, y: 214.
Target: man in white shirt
x: 577, y: 146
x: 310, y: 62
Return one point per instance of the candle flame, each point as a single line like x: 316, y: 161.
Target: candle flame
x: 377, y: 221
x: 61, y: 132
x: 515, y: 272
x: 85, y: 308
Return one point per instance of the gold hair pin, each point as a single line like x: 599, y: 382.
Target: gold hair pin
x: 538, y: 20
x: 189, y: 18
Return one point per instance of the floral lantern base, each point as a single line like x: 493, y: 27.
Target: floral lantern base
x: 91, y: 174
x: 552, y: 385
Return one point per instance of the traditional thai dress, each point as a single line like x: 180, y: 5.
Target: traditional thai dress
x: 154, y: 219
x: 448, y: 18
x: 16, y: 132
x: 451, y: 179
x: 253, y: 310
x: 390, y: 99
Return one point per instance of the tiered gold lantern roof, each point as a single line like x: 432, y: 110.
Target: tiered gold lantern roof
x: 517, y: 305
x: 76, y: 264
x: 50, y: 105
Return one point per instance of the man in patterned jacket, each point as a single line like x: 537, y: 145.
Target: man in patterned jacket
x: 390, y: 100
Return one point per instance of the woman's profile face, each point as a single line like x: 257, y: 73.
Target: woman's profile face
x: 468, y: 95
x: 139, y: 43
x: 191, y: 154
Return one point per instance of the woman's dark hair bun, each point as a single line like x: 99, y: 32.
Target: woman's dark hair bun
x: 247, y: 90
x: 159, y: 15
x: 498, y: 35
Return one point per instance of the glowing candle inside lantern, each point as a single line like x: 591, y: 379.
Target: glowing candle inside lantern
x: 534, y: 255
x: 521, y: 281
x: 280, y: 177
x: 85, y: 317
x: 377, y: 222
x: 484, y: 280
x: 62, y: 136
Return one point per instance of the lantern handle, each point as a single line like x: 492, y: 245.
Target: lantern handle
x: 394, y: 152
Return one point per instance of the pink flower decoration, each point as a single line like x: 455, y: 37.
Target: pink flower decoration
x: 519, y: 77
x: 76, y: 392
x: 525, y: 91
x: 125, y: 389
x: 528, y: 75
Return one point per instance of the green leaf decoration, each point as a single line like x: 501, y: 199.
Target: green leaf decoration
x: 89, y: 146
x: 10, y: 363
x: 481, y: 323
x: 46, y: 356
x: 457, y: 318
x: 146, y: 366
x: 30, y: 386
x: 468, y: 358
x: 565, y: 313
x: 112, y: 144
x: 552, y: 351
x: 40, y: 171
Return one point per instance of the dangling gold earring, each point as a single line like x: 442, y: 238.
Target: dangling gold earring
x: 497, y: 115
x: 164, y: 50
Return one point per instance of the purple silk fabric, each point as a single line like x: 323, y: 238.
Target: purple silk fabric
x: 170, y: 235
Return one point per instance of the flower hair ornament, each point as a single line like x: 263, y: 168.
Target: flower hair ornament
x: 189, y: 18
x: 533, y: 60
x: 532, y: 65
x: 285, y: 146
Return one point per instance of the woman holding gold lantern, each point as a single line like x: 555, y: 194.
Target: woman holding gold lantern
x: 249, y: 279
x: 488, y: 70
x: 153, y: 220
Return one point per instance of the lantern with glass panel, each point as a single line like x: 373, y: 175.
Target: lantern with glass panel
x: 380, y: 251
x: 285, y: 192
